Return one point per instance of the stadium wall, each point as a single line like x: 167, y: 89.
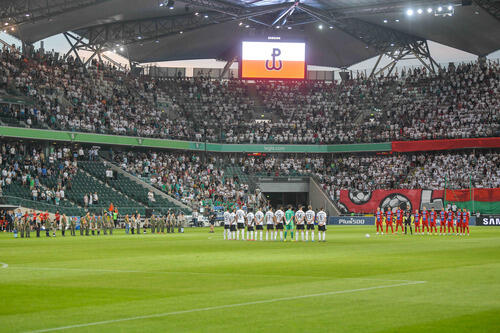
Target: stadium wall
x: 485, y: 200
x: 104, y: 139
x: 428, y: 145
x: 286, y: 148
x: 488, y: 221
x: 40, y: 134
x: 370, y: 220
x: 79, y: 137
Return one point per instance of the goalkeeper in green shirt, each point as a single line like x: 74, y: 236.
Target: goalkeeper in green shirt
x: 289, y: 214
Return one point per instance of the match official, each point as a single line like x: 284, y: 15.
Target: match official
x: 408, y: 220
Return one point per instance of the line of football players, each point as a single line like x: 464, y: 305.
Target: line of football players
x: 450, y: 222
x: 277, y: 223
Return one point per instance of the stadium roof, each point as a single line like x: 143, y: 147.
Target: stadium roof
x: 352, y: 30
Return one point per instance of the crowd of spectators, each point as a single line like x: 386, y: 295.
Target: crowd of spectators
x: 429, y: 170
x: 310, y: 112
x: 194, y: 178
x: 90, y: 199
x: 456, y: 102
x: 460, y: 102
x: 191, y: 178
x: 200, y: 180
x: 47, y: 173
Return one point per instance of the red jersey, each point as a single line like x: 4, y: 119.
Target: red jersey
x: 425, y: 216
x: 449, y: 217
x: 399, y: 215
x: 432, y: 216
x: 58, y: 217
x: 389, y: 216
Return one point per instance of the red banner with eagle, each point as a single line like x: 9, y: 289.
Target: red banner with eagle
x: 485, y: 200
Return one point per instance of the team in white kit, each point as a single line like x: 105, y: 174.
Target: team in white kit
x: 273, y: 223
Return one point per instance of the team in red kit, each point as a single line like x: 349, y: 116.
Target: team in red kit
x: 424, y: 221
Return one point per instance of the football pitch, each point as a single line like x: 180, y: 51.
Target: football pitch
x: 197, y: 282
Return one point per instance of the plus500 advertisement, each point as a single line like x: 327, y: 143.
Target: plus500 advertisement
x: 273, y: 60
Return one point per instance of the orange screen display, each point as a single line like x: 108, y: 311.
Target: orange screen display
x: 273, y: 60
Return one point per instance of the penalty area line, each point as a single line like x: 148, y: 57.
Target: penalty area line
x: 166, y: 314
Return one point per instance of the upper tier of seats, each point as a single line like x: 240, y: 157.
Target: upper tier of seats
x: 457, y: 102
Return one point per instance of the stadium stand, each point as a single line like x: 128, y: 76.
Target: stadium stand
x: 200, y: 181
x: 187, y: 176
x: 60, y: 177
x: 139, y: 194
x: 56, y: 178
x: 37, y: 180
x: 457, y: 102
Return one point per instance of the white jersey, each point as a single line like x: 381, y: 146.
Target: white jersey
x: 259, y: 218
x: 269, y: 217
x: 299, y: 216
x: 279, y: 216
x: 227, y: 218
x: 240, y: 215
x: 310, y: 215
x: 250, y: 220
x: 232, y: 218
x: 321, y: 218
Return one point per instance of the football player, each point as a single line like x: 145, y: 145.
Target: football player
x: 289, y: 222
x: 310, y: 217
x: 321, y: 216
x: 250, y: 226
x: 232, y: 227
x: 378, y: 220
x: 299, y: 221
x: 227, y: 224
x: 270, y: 221
x: 388, y: 221
x: 259, y: 223
x: 279, y: 215
x: 240, y: 217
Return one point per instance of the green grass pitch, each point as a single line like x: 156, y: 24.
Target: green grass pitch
x: 197, y: 282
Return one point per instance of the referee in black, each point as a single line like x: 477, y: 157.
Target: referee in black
x: 407, y: 220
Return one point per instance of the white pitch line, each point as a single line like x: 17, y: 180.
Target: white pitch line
x: 167, y: 272
x: 170, y: 272
x: 385, y: 280
x: 90, y: 270
x: 83, y: 270
x: 4, y: 265
x: 159, y: 315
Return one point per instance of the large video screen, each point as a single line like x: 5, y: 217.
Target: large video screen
x: 273, y: 60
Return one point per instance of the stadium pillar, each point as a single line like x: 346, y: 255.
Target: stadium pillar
x: 416, y: 50
x: 422, y: 53
x: 481, y: 59
x: 376, y: 65
x: 27, y: 49
x: 74, y: 45
x: 96, y: 51
x: 135, y: 68
x: 227, y: 67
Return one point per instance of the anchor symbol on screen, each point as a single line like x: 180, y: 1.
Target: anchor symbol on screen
x: 276, y: 65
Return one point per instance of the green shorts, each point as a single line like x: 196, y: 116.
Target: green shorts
x: 289, y: 226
